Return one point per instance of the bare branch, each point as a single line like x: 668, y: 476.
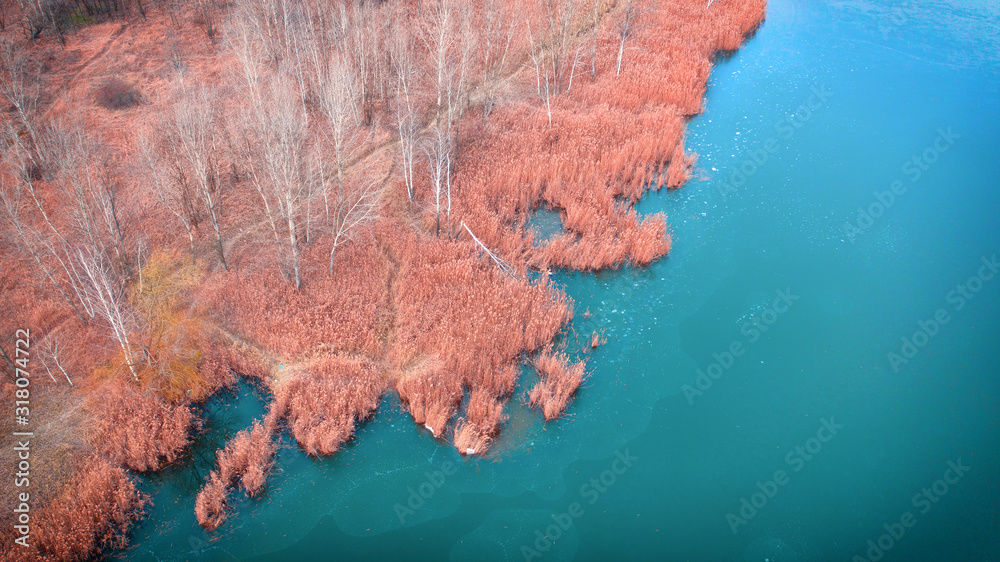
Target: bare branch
x: 360, y: 207
x: 175, y: 196
x: 404, y: 68
x: 107, y: 298
x: 498, y: 31
x: 284, y: 171
x: 48, y: 353
x: 19, y: 86
x: 630, y: 21
x: 500, y: 263
x: 192, y: 127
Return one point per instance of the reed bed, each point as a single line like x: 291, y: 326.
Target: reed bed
x: 93, y: 514
x: 323, y: 405
x: 138, y: 430
x: 559, y: 380
x: 245, y: 461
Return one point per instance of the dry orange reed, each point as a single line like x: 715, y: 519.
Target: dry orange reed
x: 559, y: 379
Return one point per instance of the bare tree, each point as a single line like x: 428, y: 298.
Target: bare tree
x: 37, y: 15
x: 338, y: 97
x: 630, y: 21
x: 247, y: 43
x: 438, y: 152
x: 409, y: 136
x: 440, y: 37
x: 49, y: 351
x: 544, y: 75
x: 78, y: 206
x: 281, y: 167
x: 358, y: 207
x: 176, y: 196
x: 367, y: 30
x: 554, y: 46
x: 207, y: 11
x: 593, y: 34
x: 446, y: 34
x: 106, y: 296
x: 192, y: 130
x: 31, y: 241
x: 407, y: 126
x: 19, y: 86
x: 171, y: 8
x: 302, y: 40
x: 577, y: 57
x: 84, y: 178
x: 554, y: 42
x: 501, y: 264
x: 73, y: 226
x: 274, y: 18
x: 248, y: 127
x: 498, y: 31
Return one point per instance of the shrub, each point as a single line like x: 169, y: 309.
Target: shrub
x: 176, y: 338
x: 462, y: 323
x: 223, y: 361
x: 114, y: 94
x: 594, y: 151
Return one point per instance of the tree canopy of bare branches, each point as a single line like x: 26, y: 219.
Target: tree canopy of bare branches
x: 192, y: 135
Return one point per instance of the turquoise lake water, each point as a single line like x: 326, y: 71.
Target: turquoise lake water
x: 809, y: 439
